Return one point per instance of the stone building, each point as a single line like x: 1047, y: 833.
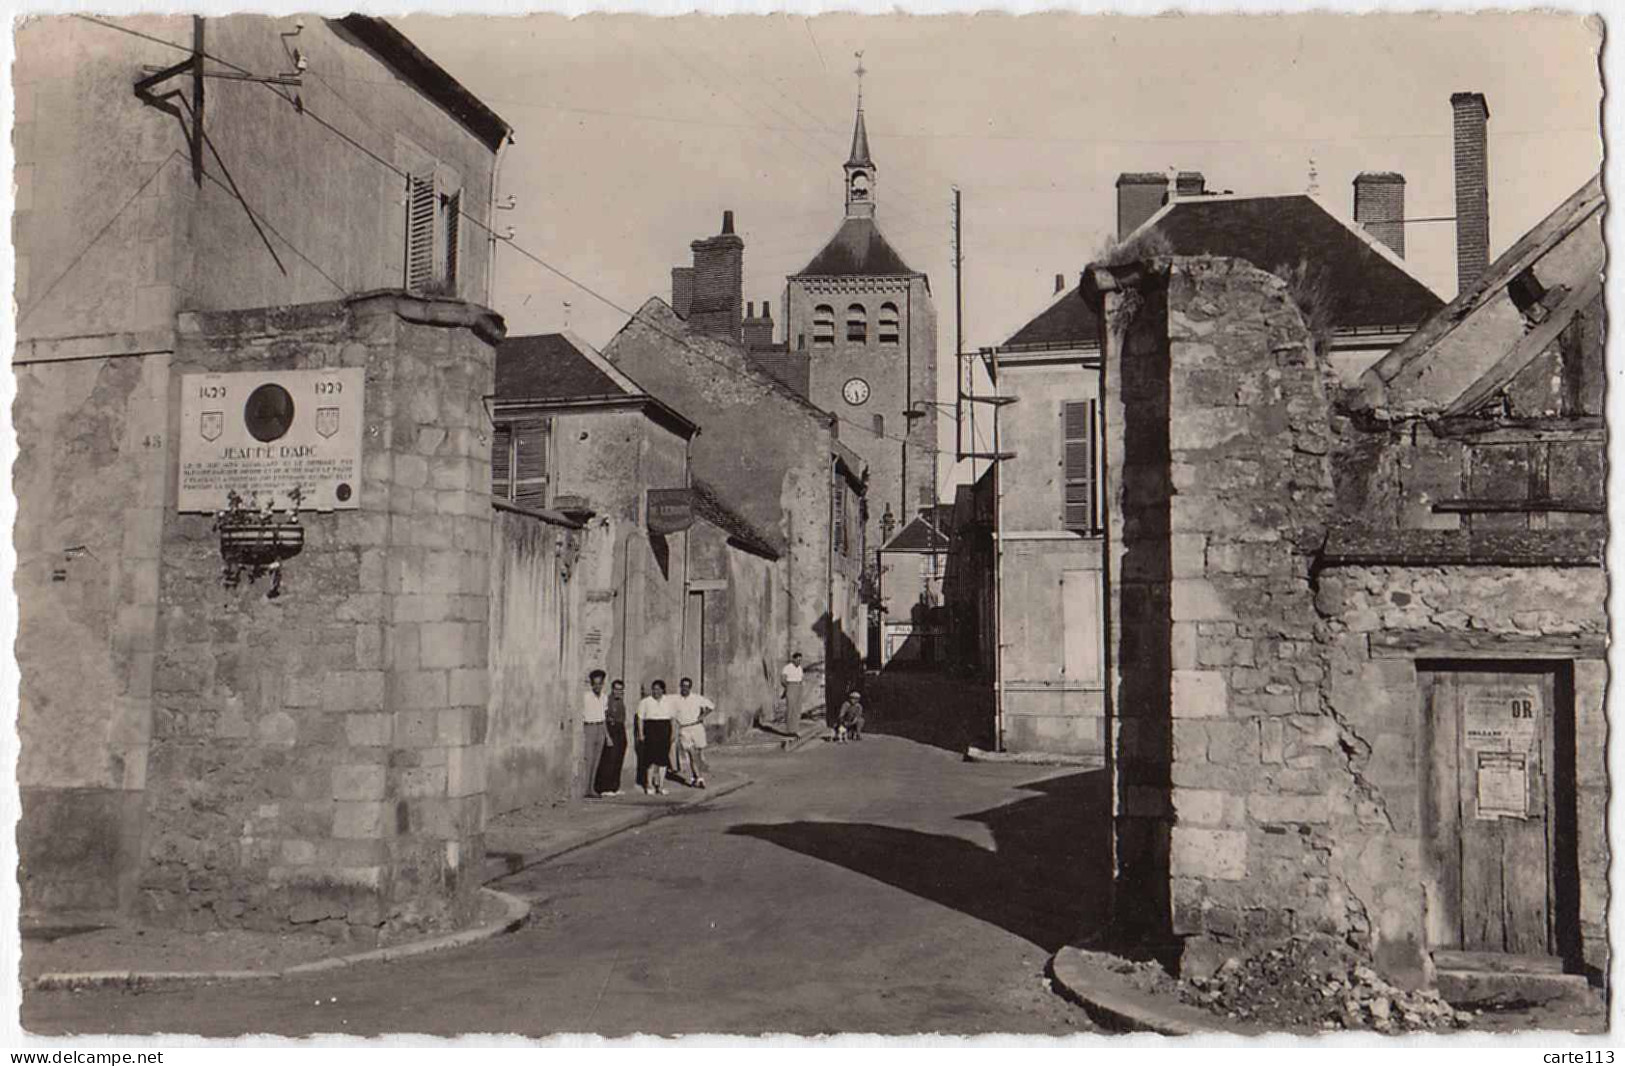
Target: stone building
x: 1051, y: 671
x: 1355, y: 676
x: 913, y: 567
x: 196, y: 750
x: 574, y: 434
x: 786, y: 467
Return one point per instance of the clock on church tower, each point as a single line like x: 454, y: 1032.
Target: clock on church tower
x: 866, y: 322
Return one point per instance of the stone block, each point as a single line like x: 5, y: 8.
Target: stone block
x: 1290, y: 809
x: 353, y: 690
x: 1189, y: 554
x: 1195, y: 600
x: 1200, y: 694
x: 1209, y: 808
x: 1232, y: 743
x: 360, y: 820
x: 1219, y: 854
x: 465, y: 771
x: 469, y: 688
x: 442, y: 645
x: 298, y: 852
x: 1184, y: 640
x: 421, y: 689
x: 461, y: 726
x: 368, y: 730
x: 1271, y: 741
x: 365, y: 782
x: 417, y: 729
x: 421, y: 782
x: 277, y: 730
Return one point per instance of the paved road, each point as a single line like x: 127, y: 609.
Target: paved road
x: 884, y: 887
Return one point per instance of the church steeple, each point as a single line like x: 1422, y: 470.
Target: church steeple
x: 859, y: 167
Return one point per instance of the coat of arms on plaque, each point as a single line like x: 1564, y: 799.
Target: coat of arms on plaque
x: 327, y: 421
x: 211, y: 424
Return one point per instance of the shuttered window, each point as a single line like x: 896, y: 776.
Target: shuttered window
x: 420, y: 230
x: 1079, y: 425
x: 434, y: 209
x: 888, y: 323
x: 519, y: 462
x: 840, y: 518
x: 857, y: 324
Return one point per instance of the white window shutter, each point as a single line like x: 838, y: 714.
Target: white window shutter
x: 530, y: 462
x: 420, y: 229
x: 502, y: 462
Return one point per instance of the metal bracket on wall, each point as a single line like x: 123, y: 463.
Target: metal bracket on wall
x: 192, y: 119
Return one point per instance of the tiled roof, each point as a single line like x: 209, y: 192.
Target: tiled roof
x: 710, y: 506
x: 920, y: 535
x: 1368, y: 290
x: 857, y: 249
x: 548, y: 366
x: 1270, y: 232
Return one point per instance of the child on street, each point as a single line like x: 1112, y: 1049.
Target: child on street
x: 849, y: 723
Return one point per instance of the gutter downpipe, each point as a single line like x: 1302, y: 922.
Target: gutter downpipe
x: 491, y: 220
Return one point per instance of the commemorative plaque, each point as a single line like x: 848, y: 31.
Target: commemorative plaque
x: 290, y: 439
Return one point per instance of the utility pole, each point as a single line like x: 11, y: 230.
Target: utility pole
x: 959, y: 337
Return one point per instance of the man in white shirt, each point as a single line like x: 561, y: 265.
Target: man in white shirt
x: 793, y: 675
x: 594, y: 704
x: 690, y: 709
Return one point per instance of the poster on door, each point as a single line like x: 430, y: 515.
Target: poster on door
x: 1501, y: 717
x: 1503, y: 785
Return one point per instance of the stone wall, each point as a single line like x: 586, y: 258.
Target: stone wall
x: 319, y: 758
x: 1234, y: 782
x: 533, y: 741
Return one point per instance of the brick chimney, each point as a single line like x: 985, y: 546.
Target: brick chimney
x: 1190, y: 183
x: 757, y: 329
x: 1472, y: 117
x: 1379, y: 207
x: 1139, y: 196
x: 682, y: 290
x: 719, y: 283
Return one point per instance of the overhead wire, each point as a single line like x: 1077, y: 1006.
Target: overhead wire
x: 760, y: 378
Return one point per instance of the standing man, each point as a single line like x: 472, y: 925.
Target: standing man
x: 609, y: 769
x: 792, y: 693
x: 594, y: 707
x: 691, y: 711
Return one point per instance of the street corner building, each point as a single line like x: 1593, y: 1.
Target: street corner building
x: 255, y: 531
x: 1355, y: 663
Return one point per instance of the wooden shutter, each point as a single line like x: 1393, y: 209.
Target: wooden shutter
x: 840, y: 517
x: 502, y: 462
x: 454, y: 217
x: 530, y: 462
x: 1078, y: 462
x: 420, y: 226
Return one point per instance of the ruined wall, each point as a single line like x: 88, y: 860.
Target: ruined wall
x: 533, y: 738
x: 1226, y: 758
x: 1468, y: 615
x: 319, y: 758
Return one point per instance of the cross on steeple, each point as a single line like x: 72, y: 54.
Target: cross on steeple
x: 860, y: 72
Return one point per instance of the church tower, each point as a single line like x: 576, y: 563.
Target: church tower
x: 864, y: 320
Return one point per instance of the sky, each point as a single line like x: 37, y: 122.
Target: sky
x: 633, y: 134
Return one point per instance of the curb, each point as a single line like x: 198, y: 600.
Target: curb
x: 1034, y: 758
x: 1117, y: 1005
x: 518, y: 911
x: 648, y: 815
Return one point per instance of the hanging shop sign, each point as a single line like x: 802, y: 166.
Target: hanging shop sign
x: 288, y: 439
x: 670, y: 510
x: 1501, y: 717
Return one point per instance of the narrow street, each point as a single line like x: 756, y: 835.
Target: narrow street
x: 881, y: 887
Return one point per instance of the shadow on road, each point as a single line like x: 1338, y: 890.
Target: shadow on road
x: 930, y: 707
x: 1045, y: 880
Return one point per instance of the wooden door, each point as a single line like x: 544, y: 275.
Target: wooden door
x: 694, y: 640
x: 1490, y: 796
x: 1080, y: 626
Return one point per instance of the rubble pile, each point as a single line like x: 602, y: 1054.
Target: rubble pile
x: 1303, y: 985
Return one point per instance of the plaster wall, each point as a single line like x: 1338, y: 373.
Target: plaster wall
x: 743, y: 630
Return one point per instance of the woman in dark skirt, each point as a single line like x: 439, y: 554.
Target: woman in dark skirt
x: 609, y: 767
x: 653, y: 725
